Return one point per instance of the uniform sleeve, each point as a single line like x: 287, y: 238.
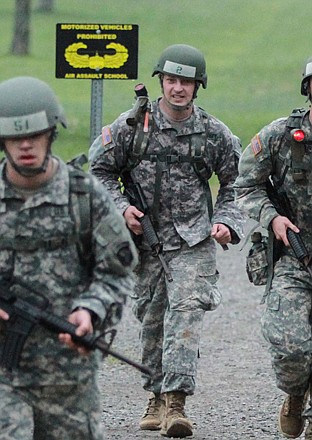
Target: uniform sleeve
x: 108, y: 156
x: 115, y: 258
x: 255, y: 167
x: 226, y: 210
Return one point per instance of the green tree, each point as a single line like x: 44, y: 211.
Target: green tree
x: 21, y: 33
x: 46, y: 6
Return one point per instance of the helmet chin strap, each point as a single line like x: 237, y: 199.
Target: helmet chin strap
x: 31, y: 172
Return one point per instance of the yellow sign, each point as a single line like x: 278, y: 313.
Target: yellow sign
x: 96, y: 51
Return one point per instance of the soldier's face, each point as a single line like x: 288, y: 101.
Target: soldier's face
x: 178, y: 91
x: 28, y: 151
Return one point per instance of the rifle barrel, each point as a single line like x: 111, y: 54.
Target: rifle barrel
x: 102, y: 345
x: 90, y: 341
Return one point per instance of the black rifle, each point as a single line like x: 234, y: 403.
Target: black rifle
x: 24, y: 316
x: 282, y: 205
x: 136, y: 197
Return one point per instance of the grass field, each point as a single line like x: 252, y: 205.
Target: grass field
x: 255, y: 52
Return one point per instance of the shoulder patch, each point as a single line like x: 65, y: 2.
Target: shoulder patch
x: 256, y: 145
x: 106, y: 136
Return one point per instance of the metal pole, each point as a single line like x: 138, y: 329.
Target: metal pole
x: 96, y: 108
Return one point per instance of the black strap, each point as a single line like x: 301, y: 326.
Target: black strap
x: 81, y: 192
x: 202, y: 172
x: 160, y: 168
x: 170, y: 159
x: 140, y: 140
x: 138, y: 149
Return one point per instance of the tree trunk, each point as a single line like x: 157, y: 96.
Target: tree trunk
x: 20, y: 43
x: 45, y: 6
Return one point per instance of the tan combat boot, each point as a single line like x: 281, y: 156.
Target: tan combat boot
x: 154, y: 413
x: 308, y: 415
x: 175, y: 423
x: 291, y: 422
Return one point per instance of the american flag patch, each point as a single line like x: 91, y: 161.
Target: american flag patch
x: 106, y: 136
x: 256, y: 145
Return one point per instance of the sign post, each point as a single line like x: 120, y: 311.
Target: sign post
x: 97, y: 52
x: 96, y: 114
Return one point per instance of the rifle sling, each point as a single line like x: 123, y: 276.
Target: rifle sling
x: 160, y: 168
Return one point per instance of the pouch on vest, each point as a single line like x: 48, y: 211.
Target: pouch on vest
x: 257, y: 260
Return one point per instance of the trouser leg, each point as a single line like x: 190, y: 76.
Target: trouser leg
x: 286, y: 325
x: 181, y: 350
x: 68, y: 411
x: 16, y: 415
x: 149, y: 302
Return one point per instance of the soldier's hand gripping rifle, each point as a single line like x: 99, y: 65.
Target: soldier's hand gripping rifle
x: 24, y: 316
x: 136, y: 197
x: 282, y: 205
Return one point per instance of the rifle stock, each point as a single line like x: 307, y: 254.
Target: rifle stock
x: 140, y: 104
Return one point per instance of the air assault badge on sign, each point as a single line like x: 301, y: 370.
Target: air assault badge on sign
x: 256, y: 145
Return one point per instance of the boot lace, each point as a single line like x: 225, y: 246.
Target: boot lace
x: 153, y: 406
x: 176, y: 409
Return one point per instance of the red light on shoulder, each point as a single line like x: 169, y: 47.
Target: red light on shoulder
x: 298, y: 135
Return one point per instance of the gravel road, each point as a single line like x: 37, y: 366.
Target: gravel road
x: 236, y: 396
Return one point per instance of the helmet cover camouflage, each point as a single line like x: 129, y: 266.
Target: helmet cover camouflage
x: 184, y: 61
x: 28, y: 106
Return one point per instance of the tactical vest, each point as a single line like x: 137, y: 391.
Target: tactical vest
x: 80, y: 190
x: 138, y: 152
x: 298, y: 149
x: 283, y: 163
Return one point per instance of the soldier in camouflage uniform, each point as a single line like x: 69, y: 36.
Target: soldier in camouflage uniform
x: 175, y: 184
x: 282, y: 151
x: 54, y: 394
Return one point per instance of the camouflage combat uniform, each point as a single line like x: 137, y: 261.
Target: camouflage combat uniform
x: 286, y: 322
x: 171, y: 313
x: 54, y: 391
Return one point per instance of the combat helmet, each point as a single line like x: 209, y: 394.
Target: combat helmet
x: 306, y: 76
x: 182, y: 60
x: 28, y: 106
